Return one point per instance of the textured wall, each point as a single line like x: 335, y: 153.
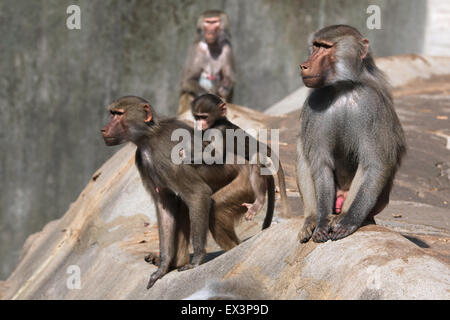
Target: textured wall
x: 437, y: 31
x: 55, y: 82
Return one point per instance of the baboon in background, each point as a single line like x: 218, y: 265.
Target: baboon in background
x: 210, y: 63
x: 351, y: 141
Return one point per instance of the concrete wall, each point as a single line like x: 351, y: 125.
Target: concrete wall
x: 55, y: 83
x: 437, y: 38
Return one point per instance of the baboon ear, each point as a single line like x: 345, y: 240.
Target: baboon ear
x: 365, y: 50
x: 223, y: 109
x: 148, y: 113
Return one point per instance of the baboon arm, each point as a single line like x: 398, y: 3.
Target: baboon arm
x: 305, y: 183
x: 192, y: 71
x: 354, y: 188
x: 228, y: 74
x: 200, y: 205
x: 325, y: 186
x: 165, y: 212
x: 363, y: 195
x: 166, y: 229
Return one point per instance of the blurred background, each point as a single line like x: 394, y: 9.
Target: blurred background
x: 55, y: 83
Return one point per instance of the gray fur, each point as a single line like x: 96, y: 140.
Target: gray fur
x: 348, y: 125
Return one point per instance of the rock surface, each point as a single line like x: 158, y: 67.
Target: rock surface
x: 112, y: 225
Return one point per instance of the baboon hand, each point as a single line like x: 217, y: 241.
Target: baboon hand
x: 307, y: 229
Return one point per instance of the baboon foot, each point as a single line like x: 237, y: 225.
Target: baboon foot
x: 196, y: 261
x: 153, y: 258
x: 158, y: 274
x: 187, y: 267
x: 252, y: 210
x: 307, y: 229
x: 341, y: 229
x: 320, y: 234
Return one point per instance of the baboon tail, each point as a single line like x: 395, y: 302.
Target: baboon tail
x: 283, y: 194
x: 270, y: 202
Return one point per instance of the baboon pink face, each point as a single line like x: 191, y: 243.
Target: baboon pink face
x: 114, y: 132
x: 203, y: 121
x: 206, y: 114
x: 211, y: 29
x: 320, y: 64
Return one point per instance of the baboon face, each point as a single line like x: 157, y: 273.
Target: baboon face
x: 114, y: 133
x: 128, y: 117
x: 319, y: 68
x: 211, y: 29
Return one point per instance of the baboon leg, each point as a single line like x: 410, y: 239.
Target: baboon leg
x: 182, y: 237
x: 307, y: 190
x: 259, y: 187
x: 227, y: 209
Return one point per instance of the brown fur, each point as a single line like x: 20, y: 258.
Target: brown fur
x: 189, y: 199
x: 210, y: 113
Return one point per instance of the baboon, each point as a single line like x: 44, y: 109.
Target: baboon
x: 210, y: 63
x: 210, y: 112
x: 351, y: 141
x: 188, y: 198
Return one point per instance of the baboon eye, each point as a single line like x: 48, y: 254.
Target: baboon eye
x: 322, y: 45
